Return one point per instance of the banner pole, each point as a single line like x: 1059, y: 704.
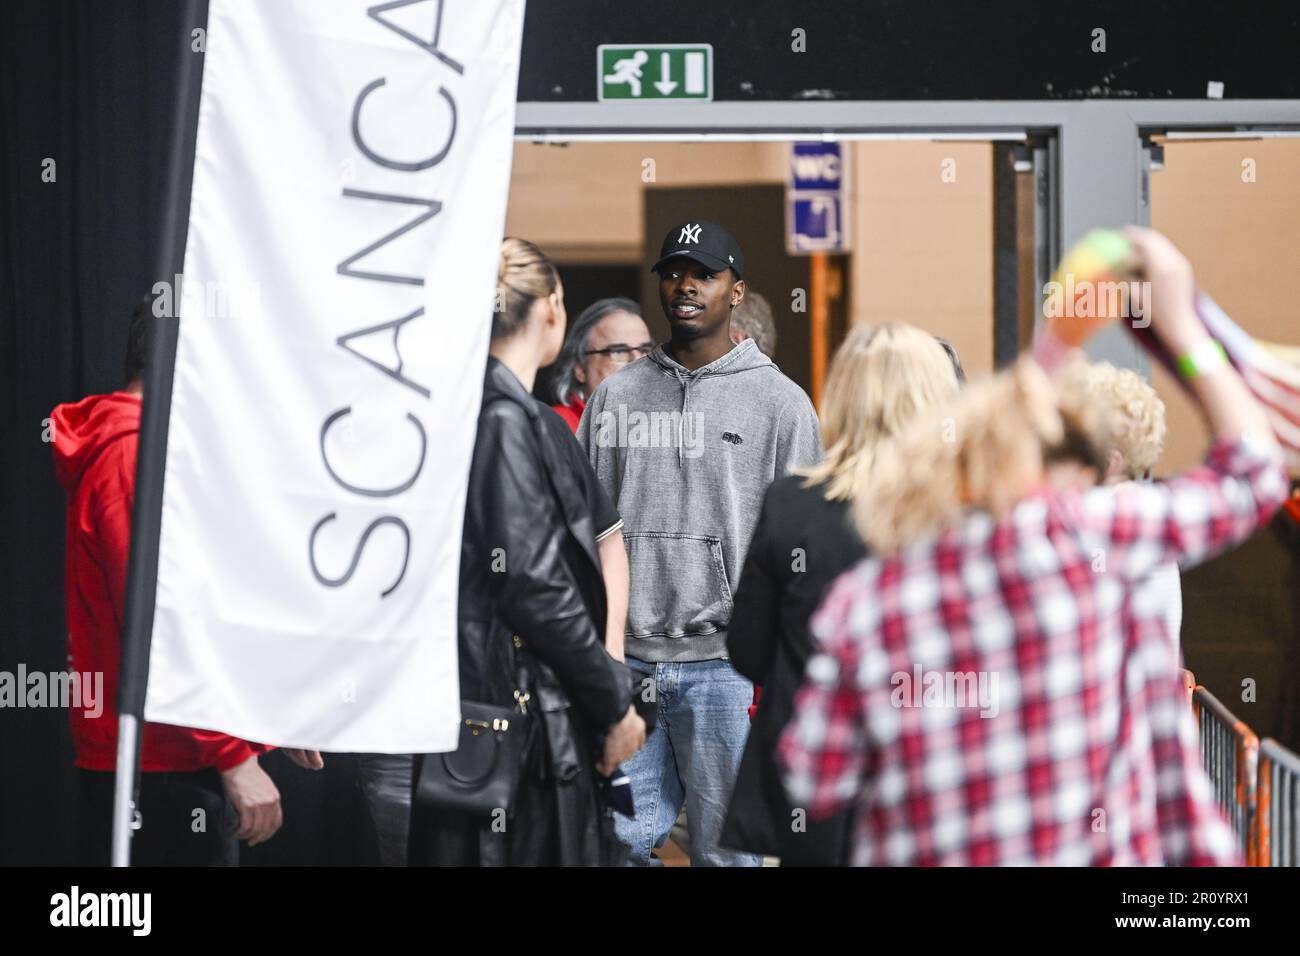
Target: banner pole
x: 146, y: 514
x: 128, y: 756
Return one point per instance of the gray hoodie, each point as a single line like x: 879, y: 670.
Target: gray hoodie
x: 686, y: 457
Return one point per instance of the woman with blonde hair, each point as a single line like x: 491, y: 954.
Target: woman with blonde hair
x: 532, y: 624
x: 986, y: 690
x: 881, y: 379
x: 985, y: 452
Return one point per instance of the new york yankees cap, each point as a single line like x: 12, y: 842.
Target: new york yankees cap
x: 705, y: 242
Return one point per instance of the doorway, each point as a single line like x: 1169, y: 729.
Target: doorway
x: 946, y: 233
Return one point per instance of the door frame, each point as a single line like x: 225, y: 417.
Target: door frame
x: 1092, y: 172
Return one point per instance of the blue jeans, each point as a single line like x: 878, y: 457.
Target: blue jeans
x: 692, y: 757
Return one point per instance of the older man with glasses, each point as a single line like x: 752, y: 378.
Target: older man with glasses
x: 608, y: 335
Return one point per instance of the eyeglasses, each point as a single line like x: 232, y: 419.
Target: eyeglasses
x: 622, y: 354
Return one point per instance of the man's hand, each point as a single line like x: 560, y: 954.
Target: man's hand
x: 623, y: 740
x: 257, y: 800
x: 307, y: 759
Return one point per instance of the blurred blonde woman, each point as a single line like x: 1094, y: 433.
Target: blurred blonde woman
x: 881, y: 379
x: 985, y: 680
x: 1006, y: 437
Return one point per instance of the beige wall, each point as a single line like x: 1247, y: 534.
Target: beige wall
x: 582, y: 202
x: 923, y: 247
x: 1243, y: 238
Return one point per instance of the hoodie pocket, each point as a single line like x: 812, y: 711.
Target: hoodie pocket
x: 679, y: 585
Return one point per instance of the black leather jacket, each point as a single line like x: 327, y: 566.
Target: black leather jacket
x: 529, y: 567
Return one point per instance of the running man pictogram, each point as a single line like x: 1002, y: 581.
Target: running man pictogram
x: 628, y: 70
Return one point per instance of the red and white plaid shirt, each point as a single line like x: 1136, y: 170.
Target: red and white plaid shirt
x: 1081, y: 749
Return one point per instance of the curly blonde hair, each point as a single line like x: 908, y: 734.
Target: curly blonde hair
x: 983, y: 450
x: 1137, y: 425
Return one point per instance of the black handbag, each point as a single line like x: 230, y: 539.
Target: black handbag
x: 481, y: 776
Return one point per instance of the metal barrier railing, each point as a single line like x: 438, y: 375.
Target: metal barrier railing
x: 1277, y: 830
x: 1230, y: 752
x: 1257, y: 784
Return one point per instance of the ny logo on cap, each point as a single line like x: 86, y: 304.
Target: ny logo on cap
x: 690, y: 233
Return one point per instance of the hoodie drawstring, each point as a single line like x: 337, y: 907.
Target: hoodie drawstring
x: 681, y: 421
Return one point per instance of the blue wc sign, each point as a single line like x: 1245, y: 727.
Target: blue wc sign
x: 815, y: 213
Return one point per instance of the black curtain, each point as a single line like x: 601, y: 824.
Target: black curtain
x: 90, y: 86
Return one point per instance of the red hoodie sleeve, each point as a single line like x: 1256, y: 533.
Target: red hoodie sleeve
x: 115, y: 495
x: 223, y: 751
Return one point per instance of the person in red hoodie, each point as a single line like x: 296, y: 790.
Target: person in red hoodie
x: 183, y: 771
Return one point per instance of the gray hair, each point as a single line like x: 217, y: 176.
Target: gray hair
x: 575, y: 343
x: 754, y: 318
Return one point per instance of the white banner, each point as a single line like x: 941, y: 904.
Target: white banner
x: 350, y: 180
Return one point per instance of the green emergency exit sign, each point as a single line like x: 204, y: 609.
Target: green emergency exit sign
x: 657, y: 71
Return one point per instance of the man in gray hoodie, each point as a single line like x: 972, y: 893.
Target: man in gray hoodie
x: 686, y: 441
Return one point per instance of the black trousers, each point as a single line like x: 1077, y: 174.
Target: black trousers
x: 386, y: 782
x: 186, y: 820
